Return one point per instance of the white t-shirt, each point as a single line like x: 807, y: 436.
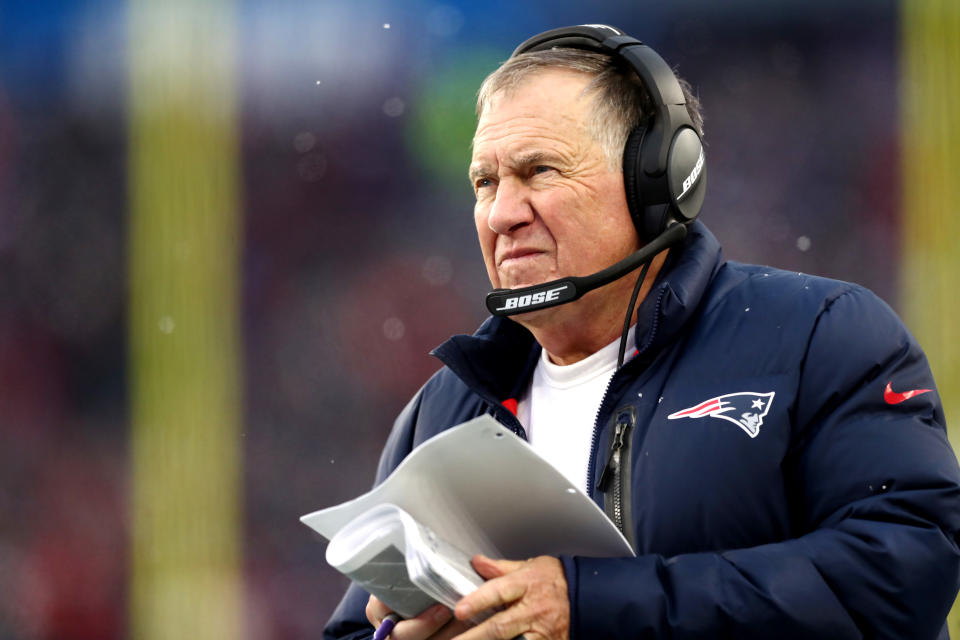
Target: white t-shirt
x: 559, y: 408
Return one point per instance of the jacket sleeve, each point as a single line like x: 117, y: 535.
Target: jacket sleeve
x: 876, y: 508
x: 349, y: 619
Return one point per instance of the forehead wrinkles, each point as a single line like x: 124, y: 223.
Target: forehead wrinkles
x: 506, y: 139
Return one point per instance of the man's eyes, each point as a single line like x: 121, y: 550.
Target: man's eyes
x: 484, y: 181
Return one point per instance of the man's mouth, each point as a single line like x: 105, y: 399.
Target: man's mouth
x: 519, y: 254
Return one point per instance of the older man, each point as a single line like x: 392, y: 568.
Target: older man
x: 772, y: 444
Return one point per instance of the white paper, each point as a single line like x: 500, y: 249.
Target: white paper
x: 487, y: 491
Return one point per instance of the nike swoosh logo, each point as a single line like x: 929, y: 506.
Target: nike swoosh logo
x: 892, y: 397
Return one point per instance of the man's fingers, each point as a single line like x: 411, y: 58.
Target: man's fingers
x: 450, y: 630
x: 376, y: 611
x: 533, y: 596
x: 423, y: 626
x: 489, y: 568
x: 493, y: 593
x: 502, y: 625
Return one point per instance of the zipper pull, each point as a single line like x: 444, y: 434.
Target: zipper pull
x: 624, y: 422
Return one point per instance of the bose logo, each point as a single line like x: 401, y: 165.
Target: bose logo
x: 691, y: 179
x: 529, y: 299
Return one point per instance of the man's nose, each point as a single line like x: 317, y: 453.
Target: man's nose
x: 511, y: 207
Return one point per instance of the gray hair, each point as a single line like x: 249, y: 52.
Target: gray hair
x: 620, y: 101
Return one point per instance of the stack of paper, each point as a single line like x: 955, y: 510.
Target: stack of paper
x: 400, y: 561
x: 475, y: 488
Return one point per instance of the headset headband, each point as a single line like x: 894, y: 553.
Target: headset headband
x: 656, y: 75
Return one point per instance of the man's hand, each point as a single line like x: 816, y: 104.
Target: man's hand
x: 436, y: 623
x: 533, y: 594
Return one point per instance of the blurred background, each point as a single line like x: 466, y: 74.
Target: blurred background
x: 231, y: 232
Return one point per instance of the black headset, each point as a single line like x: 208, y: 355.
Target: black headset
x: 663, y: 164
x: 664, y: 173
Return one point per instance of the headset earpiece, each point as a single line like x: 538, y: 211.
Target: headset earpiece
x: 631, y: 176
x: 686, y: 174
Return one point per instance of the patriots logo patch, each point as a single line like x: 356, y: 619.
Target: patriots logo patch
x: 745, y: 409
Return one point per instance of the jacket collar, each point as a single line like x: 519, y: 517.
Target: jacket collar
x: 498, y: 359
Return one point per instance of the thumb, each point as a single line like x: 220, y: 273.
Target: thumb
x: 489, y: 568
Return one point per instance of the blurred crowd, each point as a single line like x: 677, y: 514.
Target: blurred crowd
x: 359, y: 251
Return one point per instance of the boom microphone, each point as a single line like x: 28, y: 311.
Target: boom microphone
x: 508, y: 302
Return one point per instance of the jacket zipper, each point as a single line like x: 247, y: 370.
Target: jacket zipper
x: 597, y: 428
x: 595, y: 440
x: 613, y: 470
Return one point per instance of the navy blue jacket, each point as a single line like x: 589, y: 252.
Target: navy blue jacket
x: 775, y: 479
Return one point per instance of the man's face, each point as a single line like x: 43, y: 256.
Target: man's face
x: 548, y: 206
